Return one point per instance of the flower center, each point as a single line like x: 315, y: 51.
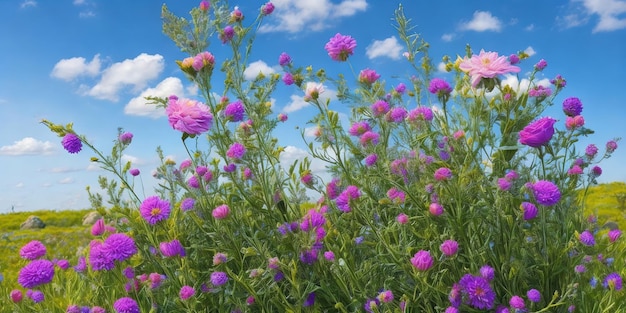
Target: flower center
x: 155, y: 211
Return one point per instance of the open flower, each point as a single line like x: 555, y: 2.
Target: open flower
x: 188, y: 116
x: 154, y: 209
x: 340, y: 47
x: 537, y: 133
x: 486, y: 65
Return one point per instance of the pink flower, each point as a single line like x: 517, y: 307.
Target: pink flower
x: 16, y: 295
x: 359, y: 128
x: 134, y: 171
x: 546, y: 192
x: 420, y: 113
x: 97, y: 228
x: 369, y: 138
x: 203, y: 60
x: 574, y: 122
x: 221, y: 212
x: 537, y: 133
x: 486, y: 65
x: 340, y: 47
x: 313, y: 91
x: 442, y: 174
x: 435, y: 209
x: 236, y: 15
x: 205, y: 5
x: 236, y: 151
x: 284, y: 59
x: 614, y: 234
x: 396, y: 115
x: 422, y: 260
x: 188, y: 116
x: 288, y: 79
x: 186, y: 292
x: 575, y: 170
x: 449, y: 247
x: 267, y: 8
x: 227, y: 34
x: 439, y: 87
x: 402, y: 218
x: 540, y: 91
x: 530, y: 210
x: 380, y: 108
x: 368, y: 77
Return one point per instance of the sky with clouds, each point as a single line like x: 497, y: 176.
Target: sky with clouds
x: 92, y: 62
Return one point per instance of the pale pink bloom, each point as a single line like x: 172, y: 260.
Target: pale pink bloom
x: 313, y: 91
x: 486, y: 65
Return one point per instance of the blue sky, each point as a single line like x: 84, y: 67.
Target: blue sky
x: 90, y: 62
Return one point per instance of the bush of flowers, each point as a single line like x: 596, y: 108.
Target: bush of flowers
x: 446, y: 196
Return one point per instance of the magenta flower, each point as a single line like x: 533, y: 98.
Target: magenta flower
x: 221, y: 212
x: 227, y: 34
x: 385, y: 296
x: 63, y: 264
x: 205, y: 5
x: 236, y: 151
x: 359, y: 128
x: 203, y: 60
x: 504, y: 184
x: 340, y: 47
x: 513, y: 59
x: 396, y: 115
x: 188, y: 116
x: 435, y: 209
x: 449, y: 247
x: 420, y: 113
x: 614, y: 234
x: 126, y: 138
x: 126, y: 305
x: 477, y: 292
x: 611, y: 146
x: 36, y: 273
x: 540, y: 91
x: 487, y: 272
x: 329, y: 255
x: 368, y: 77
x: 586, y: 238
x: 591, y: 151
x: 120, y: 247
x: 451, y: 309
x: 369, y: 138
x: 234, y: 111
x: 134, y: 171
x: 422, y: 260
x: 572, y: 106
x: 575, y: 170
x: 439, y: 87
x: 380, y: 108
x: 443, y: 173
x: 516, y: 302
x: 541, y: 65
x: 219, y: 258
x: 282, y: 117
x: 402, y: 218
x: 172, y: 248
x: 396, y: 195
x: 486, y: 65
x: 284, y: 59
x: 186, y: 292
x: 288, y: 79
x: 16, y: 295
x: 537, y: 133
x: 236, y: 15
x: 530, y: 210
x: 546, y: 193
x: 596, y: 171
x: 401, y: 88
x: 219, y: 278
x: 99, y: 258
x: 267, y: 8
x: 33, y: 250
x: 72, y: 143
x: 613, y: 281
x: 154, y: 209
x: 371, y: 159
x: 558, y: 81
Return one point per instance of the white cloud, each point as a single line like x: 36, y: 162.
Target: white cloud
x: 66, y: 180
x: 609, y: 12
x: 79, y: 2
x: 389, y: 47
x: 291, y: 153
x: 441, y: 67
x: 63, y: 170
x: 255, y: 68
x: 310, y: 132
x: 138, y: 105
x: 571, y: 20
x: 19, y: 185
x: 529, y: 28
x: 28, y: 146
x: 483, y: 21
x: 530, y: 51
x: 294, y: 16
x: 522, y: 86
x: 447, y: 37
x: 86, y: 14
x: 297, y: 102
x: 134, y: 161
x: 28, y: 4
x: 136, y: 73
x: 68, y: 69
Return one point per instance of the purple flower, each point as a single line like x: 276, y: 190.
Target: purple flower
x: 310, y: 300
x: 439, y: 87
x: 591, y: 151
x: 477, y: 292
x: 487, y: 272
x: 236, y: 151
x: 73, y: 309
x: 371, y: 159
x: 530, y: 210
x: 203, y: 60
x: 63, y: 264
x: 172, y: 248
x: 221, y: 212
x: 541, y: 65
x: 134, y: 171
x: 504, y: 184
x: 82, y: 265
x: 282, y: 117
x: 443, y: 173
x: 422, y: 260
x: 546, y: 192
x: 379, y: 108
x: 187, y: 204
x: 35, y: 273
x: 575, y: 170
x: 540, y: 91
x: 120, y: 247
x: 72, y: 143
x: 288, y: 79
x: 33, y: 250
x: 435, y: 209
x: 580, y: 269
x: 35, y: 295
x: 451, y: 309
x: 126, y: 138
x: 219, y: 278
x: 227, y: 34
x: 455, y: 295
x: 385, y: 296
x: 613, y: 281
x: 370, y: 305
x: 401, y: 88
x: 421, y: 113
x: 611, y: 146
x: 586, y: 238
x: 538, y: 133
x: 516, y: 302
x: 154, y: 209
x: 534, y: 295
x: 369, y: 138
x: 396, y: 115
x: 572, y: 106
x: 219, y: 258
x: 99, y: 259
x: 340, y: 47
x: 368, y: 76
x: 329, y: 255
x: 359, y: 128
x: 558, y: 81
x: 308, y: 256
x: 188, y: 116
x: 596, y: 170
x: 16, y: 296
x: 449, y: 247
x: 267, y: 8
x: 129, y: 272
x: 126, y: 305
x: 234, y: 111
x: 513, y: 59
x: 614, y: 234
x: 284, y: 59
x: 186, y: 292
